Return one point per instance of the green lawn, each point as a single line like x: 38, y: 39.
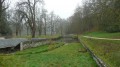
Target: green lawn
x: 103, y: 34
x: 65, y: 56
x: 107, y: 50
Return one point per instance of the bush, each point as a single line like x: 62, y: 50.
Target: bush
x: 113, y: 29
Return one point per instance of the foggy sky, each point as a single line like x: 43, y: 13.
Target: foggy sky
x: 63, y: 8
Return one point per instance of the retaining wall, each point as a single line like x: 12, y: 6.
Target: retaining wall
x: 35, y: 42
x: 99, y: 62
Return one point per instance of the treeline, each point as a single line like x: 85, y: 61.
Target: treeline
x: 4, y: 25
x: 95, y: 15
x: 29, y: 17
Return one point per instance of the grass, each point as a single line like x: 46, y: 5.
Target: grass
x: 103, y: 34
x: 65, y: 56
x: 42, y: 48
x: 108, y: 51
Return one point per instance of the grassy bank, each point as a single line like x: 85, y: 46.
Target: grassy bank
x: 65, y: 56
x: 107, y: 50
x: 103, y: 34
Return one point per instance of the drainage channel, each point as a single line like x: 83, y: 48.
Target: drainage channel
x: 62, y: 39
x: 99, y: 62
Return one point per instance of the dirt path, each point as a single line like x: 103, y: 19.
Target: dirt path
x: 101, y: 38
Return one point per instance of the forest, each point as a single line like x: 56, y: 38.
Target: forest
x: 31, y: 18
x: 96, y: 15
x: 28, y: 18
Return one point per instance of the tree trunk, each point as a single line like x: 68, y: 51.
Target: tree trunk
x: 0, y: 14
x: 40, y: 32
x: 16, y: 32
x: 33, y: 33
x: 45, y: 28
x: 33, y: 30
x: 27, y: 31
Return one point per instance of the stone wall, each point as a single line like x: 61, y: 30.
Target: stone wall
x: 35, y: 42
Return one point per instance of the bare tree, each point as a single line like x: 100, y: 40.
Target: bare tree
x: 51, y: 22
x: 29, y: 12
x: 39, y: 25
x: 44, y: 16
x: 17, y: 23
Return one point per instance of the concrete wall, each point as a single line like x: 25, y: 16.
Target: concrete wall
x: 38, y: 42
x: 31, y: 44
